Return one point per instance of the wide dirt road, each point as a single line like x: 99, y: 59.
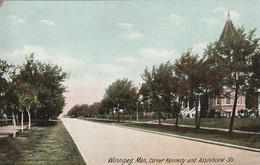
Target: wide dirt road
x: 99, y: 143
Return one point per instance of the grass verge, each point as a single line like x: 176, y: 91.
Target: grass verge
x: 247, y: 140
x: 45, y: 143
x: 243, y: 124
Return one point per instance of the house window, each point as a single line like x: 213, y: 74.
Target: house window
x: 239, y: 100
x: 218, y: 100
x: 228, y: 98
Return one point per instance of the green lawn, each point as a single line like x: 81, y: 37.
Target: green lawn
x: 246, y: 140
x: 43, y: 144
x: 245, y: 124
x: 236, y: 138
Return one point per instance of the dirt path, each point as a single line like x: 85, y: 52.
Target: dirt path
x: 99, y: 143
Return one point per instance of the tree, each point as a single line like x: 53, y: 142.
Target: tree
x: 188, y: 80
x: 50, y: 90
x: 11, y: 100
x: 252, y: 93
x: 78, y: 110
x: 107, y: 105
x: 4, y: 75
x: 27, y: 96
x: 104, y: 107
x: 121, y: 94
x: 233, y: 54
x: 46, y: 81
x: 158, y: 88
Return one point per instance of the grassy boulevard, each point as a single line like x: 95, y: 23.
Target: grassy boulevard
x: 246, y: 140
x: 243, y: 124
x: 43, y: 144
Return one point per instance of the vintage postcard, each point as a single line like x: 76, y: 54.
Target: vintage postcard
x: 129, y: 82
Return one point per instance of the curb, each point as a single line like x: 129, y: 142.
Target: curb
x: 195, y: 139
x: 190, y: 138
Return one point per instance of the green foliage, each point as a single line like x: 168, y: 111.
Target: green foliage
x: 46, y: 81
x: 188, y: 77
x: 11, y: 98
x: 236, y: 56
x: 158, y: 87
x: 121, y: 95
x: 34, y: 86
x: 84, y: 110
x: 5, y: 71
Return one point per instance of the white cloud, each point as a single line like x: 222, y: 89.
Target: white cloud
x: 209, y: 21
x: 175, y: 19
x: 108, y: 68
x: 68, y: 62
x: 125, y: 25
x: 234, y: 15
x: 38, y: 51
x: 223, y: 11
x: 15, y: 20
x: 158, y: 54
x: 47, y: 22
x: 132, y: 35
x: 220, y: 9
x: 199, y: 48
x: 122, y: 59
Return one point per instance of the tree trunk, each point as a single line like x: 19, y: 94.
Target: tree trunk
x: 178, y: 113
x: 196, y: 114
x: 113, y: 116
x: 123, y: 115
x: 5, y: 118
x: 159, y: 115
x: 17, y: 119
x: 199, y: 121
x: 22, y: 120
x: 177, y: 119
x: 198, y: 127
x: 173, y: 115
x: 29, y: 116
x: 233, y: 111
x: 14, y: 122
x: 118, y: 115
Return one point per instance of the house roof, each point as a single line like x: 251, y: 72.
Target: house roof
x: 228, y: 28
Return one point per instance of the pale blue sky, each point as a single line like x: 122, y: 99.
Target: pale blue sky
x: 101, y: 41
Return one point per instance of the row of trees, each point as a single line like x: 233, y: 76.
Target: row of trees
x: 33, y: 87
x: 85, y: 110
x: 232, y: 63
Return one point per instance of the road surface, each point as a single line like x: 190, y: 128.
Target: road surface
x: 102, y: 144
